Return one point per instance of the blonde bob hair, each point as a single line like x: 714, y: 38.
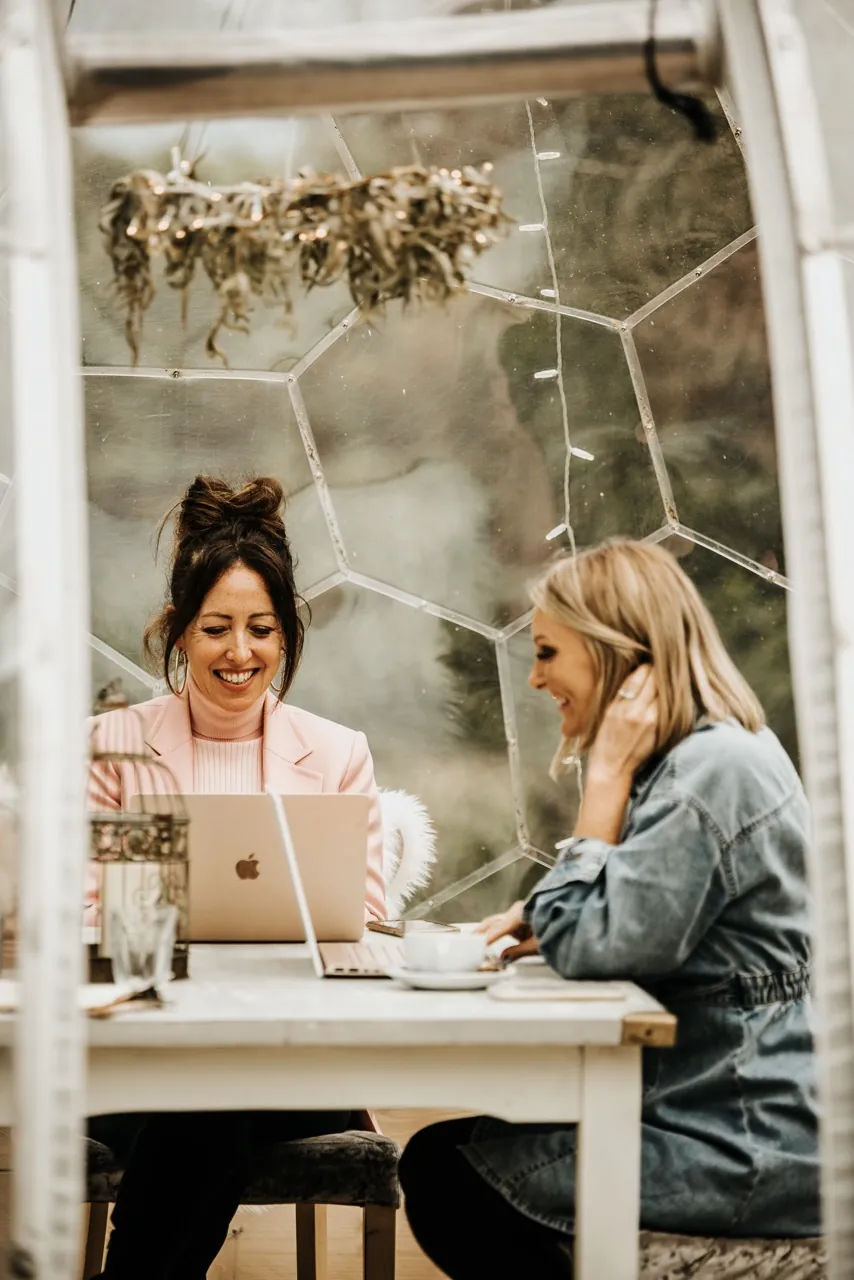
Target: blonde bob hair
x: 631, y: 603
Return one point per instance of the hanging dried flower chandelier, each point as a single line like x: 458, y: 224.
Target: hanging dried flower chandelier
x: 411, y: 233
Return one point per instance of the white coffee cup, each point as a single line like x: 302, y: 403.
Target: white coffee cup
x: 456, y: 952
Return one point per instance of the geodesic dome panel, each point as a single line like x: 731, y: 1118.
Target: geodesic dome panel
x: 234, y: 151
x: 828, y: 27
x: 427, y: 694
x: 437, y: 457
x: 146, y: 440
x: 716, y: 428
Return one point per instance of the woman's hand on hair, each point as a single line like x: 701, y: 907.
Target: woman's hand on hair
x: 627, y: 735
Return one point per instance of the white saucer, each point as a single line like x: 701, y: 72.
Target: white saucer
x: 429, y: 980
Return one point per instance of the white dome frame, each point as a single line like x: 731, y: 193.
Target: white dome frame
x: 755, y: 50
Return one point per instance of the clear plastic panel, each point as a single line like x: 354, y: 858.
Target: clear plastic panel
x: 627, y: 194
x: 604, y: 194
x: 426, y: 694
x: 111, y: 675
x: 751, y: 616
x: 442, y: 438
x: 494, y: 892
x: 444, y: 435
x: 705, y: 362
x: 259, y: 15
x: 498, y: 135
x: 146, y: 440
x: 829, y: 29
x: 233, y: 151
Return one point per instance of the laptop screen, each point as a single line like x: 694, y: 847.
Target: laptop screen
x: 296, y: 880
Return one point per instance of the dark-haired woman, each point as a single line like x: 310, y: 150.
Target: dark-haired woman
x: 231, y: 625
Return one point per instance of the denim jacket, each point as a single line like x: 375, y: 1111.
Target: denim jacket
x: 704, y: 904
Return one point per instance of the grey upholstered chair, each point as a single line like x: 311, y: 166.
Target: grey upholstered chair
x: 354, y: 1168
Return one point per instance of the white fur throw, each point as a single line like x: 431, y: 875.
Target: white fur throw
x: 409, y: 847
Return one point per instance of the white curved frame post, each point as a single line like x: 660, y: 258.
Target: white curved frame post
x: 53, y: 592
x: 814, y: 402
x: 810, y: 353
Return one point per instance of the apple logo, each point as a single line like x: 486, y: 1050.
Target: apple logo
x: 247, y: 868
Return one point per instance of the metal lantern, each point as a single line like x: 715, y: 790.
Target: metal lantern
x: 140, y: 855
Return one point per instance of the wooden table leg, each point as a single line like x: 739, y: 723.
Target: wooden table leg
x: 607, y: 1175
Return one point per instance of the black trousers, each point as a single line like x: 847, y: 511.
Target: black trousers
x: 463, y: 1225
x: 183, y: 1181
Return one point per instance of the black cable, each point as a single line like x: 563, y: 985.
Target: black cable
x: 693, y: 109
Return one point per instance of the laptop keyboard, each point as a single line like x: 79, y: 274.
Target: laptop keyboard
x: 370, y: 959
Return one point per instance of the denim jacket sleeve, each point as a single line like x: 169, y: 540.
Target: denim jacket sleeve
x: 639, y: 908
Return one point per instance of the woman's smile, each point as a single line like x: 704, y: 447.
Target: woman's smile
x: 237, y: 678
x: 563, y: 668
x: 234, y: 646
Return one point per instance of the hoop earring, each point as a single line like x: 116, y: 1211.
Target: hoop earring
x: 182, y: 667
x: 280, y: 676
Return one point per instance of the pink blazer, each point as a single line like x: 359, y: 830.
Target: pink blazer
x: 302, y: 754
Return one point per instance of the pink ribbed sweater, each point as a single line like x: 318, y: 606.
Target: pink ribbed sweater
x: 227, y: 746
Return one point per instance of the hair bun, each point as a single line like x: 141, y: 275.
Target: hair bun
x: 210, y: 504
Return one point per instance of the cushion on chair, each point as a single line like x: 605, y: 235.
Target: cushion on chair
x: 666, y: 1257
x: 103, y: 1173
x: 340, y: 1168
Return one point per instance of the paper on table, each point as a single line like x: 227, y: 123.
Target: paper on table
x: 93, y: 996
x: 555, y: 988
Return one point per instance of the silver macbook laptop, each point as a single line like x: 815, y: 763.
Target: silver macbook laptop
x: 372, y: 958
x: 242, y: 888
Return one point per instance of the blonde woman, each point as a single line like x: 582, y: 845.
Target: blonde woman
x: 685, y: 873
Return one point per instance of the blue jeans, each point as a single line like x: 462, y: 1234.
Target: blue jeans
x: 466, y: 1227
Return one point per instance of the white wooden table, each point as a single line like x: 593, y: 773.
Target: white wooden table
x: 254, y: 1028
